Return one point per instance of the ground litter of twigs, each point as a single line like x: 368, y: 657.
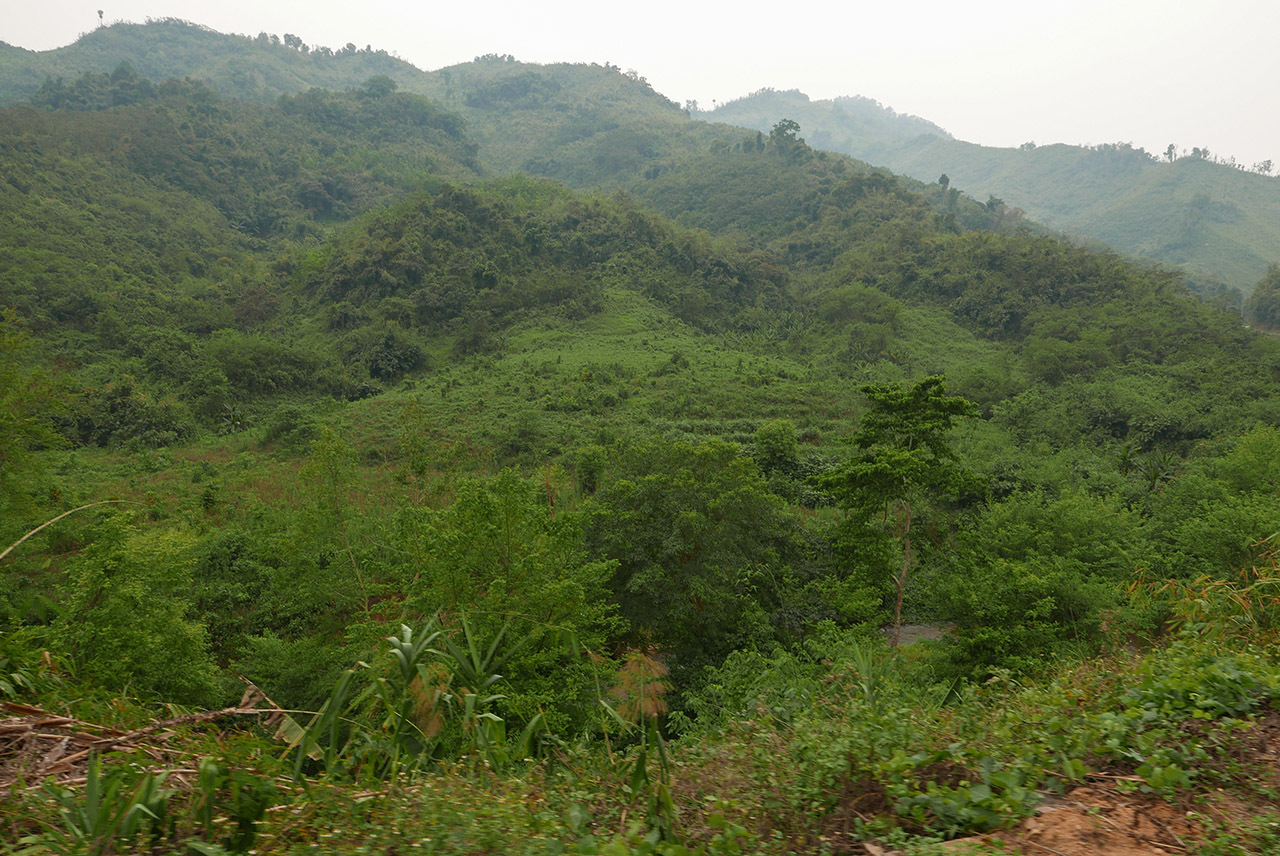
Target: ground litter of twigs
x: 37, y: 745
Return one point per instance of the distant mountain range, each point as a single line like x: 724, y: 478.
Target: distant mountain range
x: 1218, y: 224
x: 590, y: 126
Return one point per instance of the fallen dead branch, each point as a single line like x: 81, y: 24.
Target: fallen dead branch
x: 36, y: 744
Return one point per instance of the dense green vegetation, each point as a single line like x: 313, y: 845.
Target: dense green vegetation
x: 1263, y: 308
x: 257, y: 68
x: 1181, y: 207
x: 592, y: 126
x: 560, y: 520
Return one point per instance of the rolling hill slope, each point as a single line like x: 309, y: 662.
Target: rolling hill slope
x: 1217, y: 224
x: 549, y: 518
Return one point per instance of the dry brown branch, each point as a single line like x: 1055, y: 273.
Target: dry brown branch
x: 36, y: 744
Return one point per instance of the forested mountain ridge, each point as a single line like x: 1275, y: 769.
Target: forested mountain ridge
x: 591, y: 126
x: 249, y: 68
x: 561, y: 107
x: 1212, y: 221
x: 546, y: 519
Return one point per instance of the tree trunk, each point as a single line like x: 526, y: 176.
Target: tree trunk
x: 901, y: 581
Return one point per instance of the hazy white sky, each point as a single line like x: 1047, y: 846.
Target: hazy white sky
x: 998, y: 72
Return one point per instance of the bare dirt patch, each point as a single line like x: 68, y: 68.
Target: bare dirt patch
x: 1094, y: 820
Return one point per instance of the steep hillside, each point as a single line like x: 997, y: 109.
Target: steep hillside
x: 1211, y: 221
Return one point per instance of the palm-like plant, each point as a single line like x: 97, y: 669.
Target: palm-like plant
x: 474, y: 674
x: 107, y: 814
x: 428, y: 687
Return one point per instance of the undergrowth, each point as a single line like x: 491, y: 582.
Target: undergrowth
x: 842, y: 742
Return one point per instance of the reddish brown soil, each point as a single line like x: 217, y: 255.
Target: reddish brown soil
x: 1095, y: 820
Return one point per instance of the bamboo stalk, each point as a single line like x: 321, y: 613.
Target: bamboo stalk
x: 14, y: 545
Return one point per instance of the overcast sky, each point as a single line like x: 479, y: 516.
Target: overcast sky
x: 998, y: 72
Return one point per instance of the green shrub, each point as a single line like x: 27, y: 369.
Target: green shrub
x: 1020, y: 615
x: 701, y: 547
x: 122, y: 412
x: 1195, y: 680
x: 776, y: 445
x: 127, y: 616
x: 291, y: 428
x: 262, y: 365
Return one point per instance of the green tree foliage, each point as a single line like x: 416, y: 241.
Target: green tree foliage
x: 503, y: 548
x: 30, y: 404
x: 701, y: 547
x: 1263, y: 308
x: 127, y: 617
x: 1021, y: 615
x: 92, y: 91
x: 231, y: 577
x: 1201, y: 525
x: 776, y: 447
x: 528, y: 87
x: 1254, y: 464
x: 904, y: 465
x: 119, y: 413
x: 261, y: 364
x: 387, y: 353
x: 508, y: 558
x: 785, y: 140
x: 1030, y: 578
x: 464, y: 255
x: 378, y: 86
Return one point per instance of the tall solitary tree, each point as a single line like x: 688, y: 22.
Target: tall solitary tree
x: 904, y: 465
x: 786, y: 140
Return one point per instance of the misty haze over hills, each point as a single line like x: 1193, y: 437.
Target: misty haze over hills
x: 1217, y: 224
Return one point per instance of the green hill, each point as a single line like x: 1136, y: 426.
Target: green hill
x: 575, y: 510
x: 588, y: 126
x: 251, y: 68
x: 1215, y: 223
x: 592, y: 126
x: 596, y: 120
